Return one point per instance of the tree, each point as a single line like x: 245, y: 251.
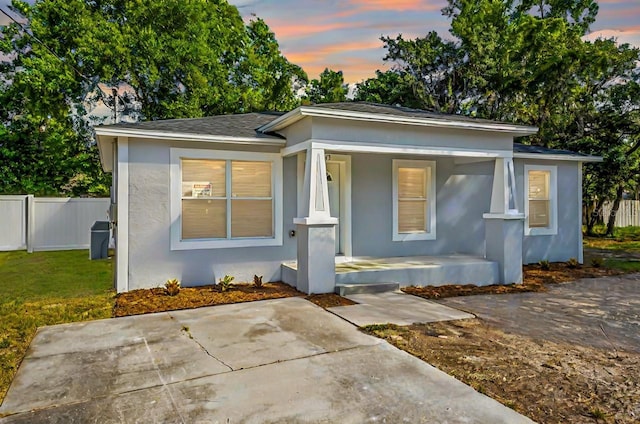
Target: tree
x: 178, y: 59
x: 388, y: 87
x: 329, y: 89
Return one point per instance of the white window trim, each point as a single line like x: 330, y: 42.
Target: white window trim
x: 552, y: 229
x: 431, y: 199
x: 176, y: 199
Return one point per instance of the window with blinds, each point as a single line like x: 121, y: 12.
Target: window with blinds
x: 539, y: 199
x: 414, y: 200
x: 227, y: 199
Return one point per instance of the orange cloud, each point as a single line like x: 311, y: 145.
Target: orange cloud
x: 400, y: 5
x: 288, y: 29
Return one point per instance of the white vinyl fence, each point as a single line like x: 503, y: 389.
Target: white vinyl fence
x: 48, y: 223
x: 628, y: 213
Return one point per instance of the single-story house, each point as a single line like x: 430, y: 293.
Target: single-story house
x: 334, y: 194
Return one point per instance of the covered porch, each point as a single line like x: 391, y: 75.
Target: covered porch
x: 407, y: 270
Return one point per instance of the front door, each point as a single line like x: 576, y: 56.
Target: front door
x: 334, y: 185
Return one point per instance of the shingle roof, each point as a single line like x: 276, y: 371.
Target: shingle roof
x: 240, y: 125
x: 524, y: 148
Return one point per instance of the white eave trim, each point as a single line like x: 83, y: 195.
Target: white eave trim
x: 399, y: 149
x: 544, y: 156
x: 176, y: 136
x: 297, y: 114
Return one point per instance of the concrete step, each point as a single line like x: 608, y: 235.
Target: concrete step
x: 347, y: 289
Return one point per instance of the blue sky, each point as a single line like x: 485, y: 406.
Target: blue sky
x: 344, y: 34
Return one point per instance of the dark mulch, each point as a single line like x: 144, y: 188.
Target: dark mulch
x: 535, y: 279
x: 329, y: 300
x: 146, y: 301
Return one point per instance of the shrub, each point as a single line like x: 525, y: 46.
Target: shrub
x: 573, y: 263
x: 172, y: 287
x: 257, y: 281
x: 544, y: 265
x: 225, y: 283
x: 597, y: 262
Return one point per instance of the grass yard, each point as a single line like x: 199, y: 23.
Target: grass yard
x: 624, y: 239
x: 46, y: 288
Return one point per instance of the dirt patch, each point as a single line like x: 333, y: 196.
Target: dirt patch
x: 548, y: 382
x: 144, y: 301
x: 329, y: 300
x: 535, y: 278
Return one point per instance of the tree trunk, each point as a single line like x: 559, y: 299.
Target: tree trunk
x: 594, y: 217
x: 614, y: 211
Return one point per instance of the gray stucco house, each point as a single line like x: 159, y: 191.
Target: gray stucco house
x: 335, y: 194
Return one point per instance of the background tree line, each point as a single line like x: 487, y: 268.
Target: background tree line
x: 524, y: 61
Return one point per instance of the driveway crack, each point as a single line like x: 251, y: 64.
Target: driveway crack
x: 186, y: 330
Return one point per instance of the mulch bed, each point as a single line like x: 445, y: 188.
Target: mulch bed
x: 535, y: 279
x: 144, y: 301
x: 329, y: 300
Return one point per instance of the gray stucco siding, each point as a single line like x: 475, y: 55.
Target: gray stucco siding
x: 387, y: 133
x: 151, y: 260
x: 463, y: 194
x: 565, y: 244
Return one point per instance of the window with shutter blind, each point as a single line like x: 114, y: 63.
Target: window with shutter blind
x: 413, y: 200
x: 541, y: 204
x: 225, y: 199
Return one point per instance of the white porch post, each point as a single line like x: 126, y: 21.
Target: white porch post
x: 504, y: 224
x: 315, y: 229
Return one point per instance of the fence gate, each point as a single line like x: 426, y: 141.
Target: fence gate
x: 13, y: 223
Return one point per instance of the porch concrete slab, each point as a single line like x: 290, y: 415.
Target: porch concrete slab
x: 395, y: 308
x: 346, y: 376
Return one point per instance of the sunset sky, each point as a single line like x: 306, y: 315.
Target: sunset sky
x: 344, y: 34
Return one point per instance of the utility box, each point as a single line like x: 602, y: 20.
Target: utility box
x: 99, y: 240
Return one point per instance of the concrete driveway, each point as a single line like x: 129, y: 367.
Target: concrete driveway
x: 597, y: 312
x: 279, y: 361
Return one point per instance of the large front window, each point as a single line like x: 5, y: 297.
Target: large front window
x: 226, y: 199
x: 541, y: 204
x: 414, y: 211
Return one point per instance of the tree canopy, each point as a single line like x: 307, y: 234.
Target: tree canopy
x: 176, y: 59
x: 330, y: 88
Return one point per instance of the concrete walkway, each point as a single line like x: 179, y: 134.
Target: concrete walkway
x: 395, y: 308
x: 596, y: 312
x: 282, y: 360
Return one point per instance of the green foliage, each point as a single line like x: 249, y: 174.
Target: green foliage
x: 597, y: 262
x: 544, y: 265
x: 174, y: 59
x: 330, y: 88
x: 627, y: 266
x: 257, y: 281
x: 225, y: 283
x: 573, y: 263
x: 172, y: 287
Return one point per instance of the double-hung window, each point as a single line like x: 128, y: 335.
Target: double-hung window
x: 541, y: 205
x: 414, y: 200
x: 225, y: 199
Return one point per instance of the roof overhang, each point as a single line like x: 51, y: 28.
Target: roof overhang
x: 563, y: 157
x: 106, y: 136
x: 450, y: 122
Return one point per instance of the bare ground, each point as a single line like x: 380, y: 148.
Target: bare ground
x: 548, y: 382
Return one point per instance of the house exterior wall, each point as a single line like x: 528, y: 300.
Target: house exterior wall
x: 463, y: 195
x: 152, y: 262
x: 398, y: 134
x: 566, y: 243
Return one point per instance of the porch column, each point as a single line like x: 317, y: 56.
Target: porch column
x: 504, y: 224
x: 315, y: 229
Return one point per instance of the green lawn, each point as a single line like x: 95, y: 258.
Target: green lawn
x: 46, y: 288
x: 624, y: 239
